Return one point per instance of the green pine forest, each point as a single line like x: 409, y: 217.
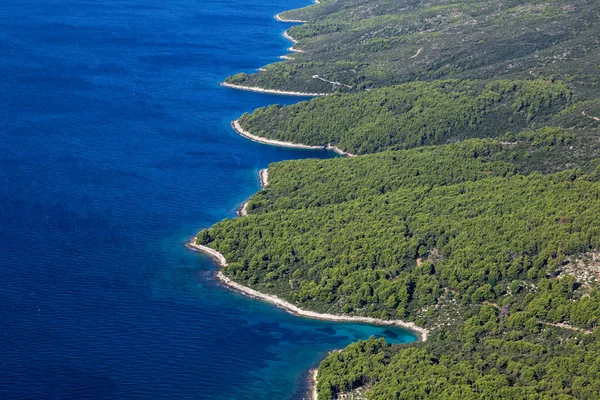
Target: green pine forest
x: 472, y: 207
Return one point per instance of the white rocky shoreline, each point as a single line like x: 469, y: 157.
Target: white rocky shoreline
x: 238, y: 128
x: 263, y: 175
x: 271, y: 91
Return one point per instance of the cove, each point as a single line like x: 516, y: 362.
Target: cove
x: 116, y: 148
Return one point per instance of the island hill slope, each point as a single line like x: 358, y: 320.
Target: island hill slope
x: 353, y: 45
x: 410, y: 115
x: 338, y: 236
x: 473, y: 210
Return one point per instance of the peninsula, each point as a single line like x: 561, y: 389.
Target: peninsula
x: 222, y: 262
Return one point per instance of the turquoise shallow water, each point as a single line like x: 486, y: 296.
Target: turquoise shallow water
x: 116, y: 148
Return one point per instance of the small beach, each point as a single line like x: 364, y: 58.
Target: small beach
x: 236, y: 125
x: 271, y: 91
x: 295, y: 21
x: 238, y: 128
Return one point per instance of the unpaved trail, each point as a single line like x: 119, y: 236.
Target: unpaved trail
x: 555, y: 324
x: 417, y: 53
x: 332, y: 82
x: 590, y: 116
x: 567, y: 326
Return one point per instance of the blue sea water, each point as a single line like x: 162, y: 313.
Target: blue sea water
x: 115, y: 148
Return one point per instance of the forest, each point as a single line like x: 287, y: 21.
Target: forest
x: 472, y: 208
x: 458, y: 225
x: 411, y: 115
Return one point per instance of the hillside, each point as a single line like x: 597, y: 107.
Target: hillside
x: 362, y: 44
x: 473, y: 208
x: 412, y: 114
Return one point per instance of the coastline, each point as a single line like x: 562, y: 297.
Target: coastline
x: 294, y: 21
x: 422, y: 333
x: 278, y: 18
x: 293, y: 50
x: 313, y: 373
x: 218, y: 257
x: 288, y: 37
x: 284, y: 57
x: 271, y: 91
x: 243, y: 210
x: 295, y: 310
x: 238, y: 128
x: 263, y: 175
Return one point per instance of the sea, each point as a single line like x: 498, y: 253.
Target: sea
x: 115, y: 149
